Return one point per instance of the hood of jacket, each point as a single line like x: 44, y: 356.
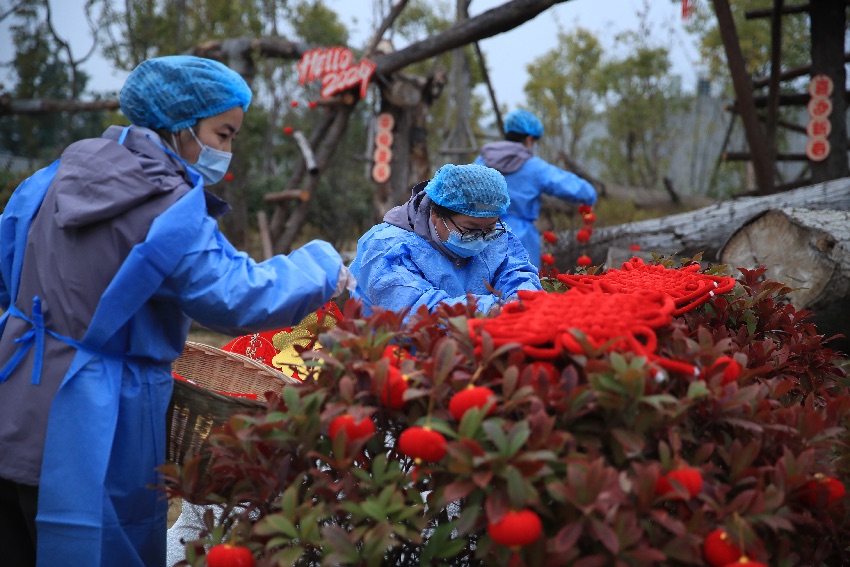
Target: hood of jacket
x: 505, y: 157
x: 99, y: 179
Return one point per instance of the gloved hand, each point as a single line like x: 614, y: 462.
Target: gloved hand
x: 346, y: 281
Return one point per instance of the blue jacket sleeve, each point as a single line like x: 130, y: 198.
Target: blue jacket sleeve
x: 562, y: 184
x: 516, y: 271
x: 225, y: 290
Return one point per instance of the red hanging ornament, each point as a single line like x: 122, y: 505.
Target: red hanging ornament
x: 822, y: 490
x: 354, y: 430
x: 584, y: 209
x: 690, y: 479
x: 547, y: 259
x: 288, y: 130
x: 395, y: 385
x: 226, y: 555
x: 516, y: 528
x: 718, y: 550
x: 728, y: 366
x: 550, y: 237
x: 228, y: 177
x: 471, y: 397
x: 395, y: 354
x: 589, y: 218
x: 584, y: 260
x: 422, y: 444
x: 583, y: 236
x: 745, y: 561
x: 685, y: 10
x: 294, y: 104
x: 634, y: 247
x: 312, y: 104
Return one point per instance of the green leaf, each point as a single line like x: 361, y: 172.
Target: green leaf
x: 275, y: 524
x: 496, y: 434
x: 517, y: 437
x: 698, y: 389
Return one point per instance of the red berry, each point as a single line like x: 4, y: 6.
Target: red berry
x: 690, y: 479
x: 294, y: 104
x: 226, y: 555
x: 547, y: 259
x: 228, y: 176
x: 719, y: 551
x: 729, y: 366
x: 823, y: 490
x: 550, y: 237
x: 288, y: 130
x: 583, y: 236
x: 584, y: 261
x: 422, y: 443
x: 354, y: 430
x: 392, y: 394
x: 516, y: 528
x: 472, y: 397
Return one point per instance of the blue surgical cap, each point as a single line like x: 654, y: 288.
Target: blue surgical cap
x: 176, y: 91
x: 474, y: 190
x: 523, y: 122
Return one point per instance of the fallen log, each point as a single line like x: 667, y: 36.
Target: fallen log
x: 703, y: 230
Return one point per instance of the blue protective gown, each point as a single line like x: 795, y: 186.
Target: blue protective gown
x: 397, y: 269
x: 528, y: 177
x: 89, y: 334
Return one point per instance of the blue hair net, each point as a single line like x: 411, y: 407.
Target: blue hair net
x: 176, y: 91
x: 473, y: 190
x: 523, y: 122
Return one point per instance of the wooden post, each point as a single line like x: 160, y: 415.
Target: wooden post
x: 265, y: 236
x: 828, y: 20
x: 741, y: 81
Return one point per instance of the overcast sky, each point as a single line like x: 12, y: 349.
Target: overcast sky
x: 507, y: 54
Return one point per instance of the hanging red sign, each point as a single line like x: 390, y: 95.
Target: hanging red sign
x: 820, y: 107
x: 382, y: 155
x: 381, y: 172
x: 335, y: 69
x: 819, y: 127
x: 385, y: 121
x: 820, y: 86
x: 384, y: 139
x: 817, y: 149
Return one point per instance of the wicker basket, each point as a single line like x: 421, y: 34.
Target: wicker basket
x: 195, y: 409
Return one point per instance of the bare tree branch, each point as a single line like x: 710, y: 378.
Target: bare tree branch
x: 48, y: 106
x: 385, y: 25
x: 11, y: 11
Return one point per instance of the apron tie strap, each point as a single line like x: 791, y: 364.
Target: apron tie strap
x: 25, y: 342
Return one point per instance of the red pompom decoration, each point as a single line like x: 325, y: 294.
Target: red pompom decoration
x: 395, y: 354
x: 589, y: 218
x: 472, y: 397
x: 823, y: 490
x: 294, y: 104
x: 584, y: 261
x: 354, y: 430
x: 226, y: 555
x: 729, y: 366
x: 634, y: 247
x: 718, y: 550
x: 422, y: 443
x: 312, y: 104
x: 516, y: 528
x: 584, y: 209
x: 392, y: 394
x: 690, y: 479
x: 228, y: 176
x: 550, y: 237
x: 583, y: 236
x: 547, y: 259
x: 288, y: 130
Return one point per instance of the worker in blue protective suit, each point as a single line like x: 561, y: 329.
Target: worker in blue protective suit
x: 445, y: 242
x: 528, y: 177
x: 105, y: 258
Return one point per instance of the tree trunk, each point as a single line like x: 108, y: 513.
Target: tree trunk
x: 703, y: 230
x: 804, y: 248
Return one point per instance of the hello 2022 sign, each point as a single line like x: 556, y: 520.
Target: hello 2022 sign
x: 334, y: 66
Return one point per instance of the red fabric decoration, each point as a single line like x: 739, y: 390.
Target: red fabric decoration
x: 550, y: 237
x: 354, y: 430
x: 822, y: 490
x: 543, y: 322
x: 226, y: 555
x: 516, y: 528
x: 228, y: 176
x: 718, y: 550
x: 392, y: 394
x: 257, y: 346
x: 288, y: 130
x: 686, y: 286
x: 422, y: 443
x: 584, y: 209
x: 547, y: 259
x: 589, y: 218
x: 472, y: 397
x: 395, y: 354
x: 583, y: 260
x: 728, y: 366
x: 690, y: 479
x: 583, y: 236
x: 547, y: 369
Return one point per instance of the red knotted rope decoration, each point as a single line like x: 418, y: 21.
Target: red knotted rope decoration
x: 687, y: 287
x: 543, y: 322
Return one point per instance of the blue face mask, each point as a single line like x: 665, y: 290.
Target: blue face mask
x: 212, y: 164
x: 464, y: 249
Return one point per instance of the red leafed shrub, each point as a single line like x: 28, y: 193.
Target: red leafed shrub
x: 579, y: 434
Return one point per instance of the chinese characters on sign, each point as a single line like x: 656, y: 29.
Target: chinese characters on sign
x: 334, y: 66
x: 383, y: 153
x: 819, y: 125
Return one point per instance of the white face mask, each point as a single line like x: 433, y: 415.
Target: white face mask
x: 212, y: 164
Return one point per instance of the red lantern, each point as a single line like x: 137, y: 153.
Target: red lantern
x: 718, y: 550
x: 547, y: 259
x: 550, y: 237
x: 589, y: 218
x: 690, y: 479
x: 823, y: 489
x: 288, y: 130
x: 471, y: 397
x: 422, y: 443
x: 392, y: 394
x: 729, y: 366
x: 584, y: 261
x: 226, y: 555
x: 516, y: 528
x: 634, y: 247
x: 395, y: 354
x: 583, y: 236
x: 354, y: 430
x: 228, y: 177
x: 312, y: 104
x: 584, y: 209
x: 294, y: 104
